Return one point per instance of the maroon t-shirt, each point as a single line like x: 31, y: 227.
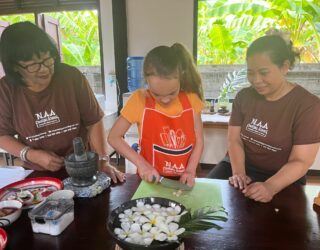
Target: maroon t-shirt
x: 50, y: 119
x: 269, y: 129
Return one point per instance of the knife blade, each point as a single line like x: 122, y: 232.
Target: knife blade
x: 173, y: 184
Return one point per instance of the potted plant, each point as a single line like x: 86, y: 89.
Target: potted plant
x: 233, y: 82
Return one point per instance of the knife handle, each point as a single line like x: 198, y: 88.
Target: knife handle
x: 155, y: 178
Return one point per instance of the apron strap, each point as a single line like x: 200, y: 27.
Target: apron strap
x: 184, y: 100
x: 150, y: 102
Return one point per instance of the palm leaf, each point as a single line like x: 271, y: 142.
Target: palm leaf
x: 202, y: 219
x: 233, y: 82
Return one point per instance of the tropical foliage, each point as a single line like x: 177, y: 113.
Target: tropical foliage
x: 79, y: 35
x: 234, y: 81
x: 18, y: 18
x: 203, y: 219
x: 227, y: 27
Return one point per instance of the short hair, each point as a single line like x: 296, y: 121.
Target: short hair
x: 276, y: 47
x: 20, y: 42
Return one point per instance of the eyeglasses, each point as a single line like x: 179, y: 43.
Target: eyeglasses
x: 35, y: 67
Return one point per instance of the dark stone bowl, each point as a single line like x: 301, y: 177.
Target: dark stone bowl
x: 82, y: 173
x: 114, y: 222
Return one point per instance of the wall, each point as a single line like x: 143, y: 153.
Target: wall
x: 213, y: 76
x: 158, y: 22
x: 111, y: 102
x: 154, y: 22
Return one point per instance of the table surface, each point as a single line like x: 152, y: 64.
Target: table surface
x: 215, y: 121
x: 250, y: 225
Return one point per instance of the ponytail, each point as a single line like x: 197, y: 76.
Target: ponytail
x: 164, y: 61
x: 190, y: 79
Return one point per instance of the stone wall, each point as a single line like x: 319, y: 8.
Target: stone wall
x: 93, y: 74
x: 213, y: 76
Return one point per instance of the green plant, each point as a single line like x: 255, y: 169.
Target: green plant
x: 18, y: 18
x: 233, y: 82
x: 226, y: 27
x: 202, y: 219
x: 79, y: 35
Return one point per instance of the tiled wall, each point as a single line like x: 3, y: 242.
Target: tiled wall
x: 213, y: 76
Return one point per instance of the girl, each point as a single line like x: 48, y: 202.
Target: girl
x: 167, y: 115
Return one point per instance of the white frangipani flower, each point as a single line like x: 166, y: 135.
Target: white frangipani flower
x: 124, y: 231
x: 151, y: 219
x: 138, y: 234
x: 157, y: 234
x: 172, y: 230
x: 174, y: 214
x: 129, y: 216
x: 146, y: 223
x: 140, y: 208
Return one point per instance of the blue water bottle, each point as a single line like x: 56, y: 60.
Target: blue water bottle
x: 135, y: 75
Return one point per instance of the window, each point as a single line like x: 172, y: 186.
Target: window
x: 226, y: 28
x: 75, y: 32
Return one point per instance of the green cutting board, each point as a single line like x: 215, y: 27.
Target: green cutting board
x: 204, y: 193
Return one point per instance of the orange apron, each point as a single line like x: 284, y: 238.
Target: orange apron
x: 167, y: 141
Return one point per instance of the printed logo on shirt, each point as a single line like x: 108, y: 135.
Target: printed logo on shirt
x: 54, y: 132
x: 257, y: 127
x: 170, y: 168
x: 260, y: 143
x: 170, y: 159
x: 173, y: 139
x: 46, y: 118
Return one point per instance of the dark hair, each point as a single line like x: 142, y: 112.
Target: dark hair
x: 276, y: 47
x: 164, y: 60
x: 20, y: 42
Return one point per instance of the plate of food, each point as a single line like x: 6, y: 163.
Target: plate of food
x: 3, y: 238
x: 10, y: 210
x: 31, y: 191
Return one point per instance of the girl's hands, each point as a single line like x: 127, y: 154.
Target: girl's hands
x: 45, y: 159
x: 112, y: 172
x: 148, y: 173
x: 240, y: 181
x: 259, y: 191
x: 188, y: 178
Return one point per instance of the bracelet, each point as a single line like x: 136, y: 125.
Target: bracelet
x: 23, y: 153
x: 104, y: 158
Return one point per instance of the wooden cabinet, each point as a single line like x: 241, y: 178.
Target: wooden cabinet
x: 215, y: 129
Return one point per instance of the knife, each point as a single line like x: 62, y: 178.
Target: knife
x: 173, y: 184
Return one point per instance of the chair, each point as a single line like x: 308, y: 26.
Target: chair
x: 9, y: 159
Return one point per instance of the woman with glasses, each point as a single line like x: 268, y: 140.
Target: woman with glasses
x: 45, y: 104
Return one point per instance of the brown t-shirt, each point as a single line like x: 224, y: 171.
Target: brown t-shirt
x: 269, y: 129
x: 49, y: 119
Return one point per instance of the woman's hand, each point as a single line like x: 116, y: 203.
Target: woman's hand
x: 148, y: 173
x: 46, y: 159
x: 188, y: 178
x: 259, y: 191
x: 112, y: 172
x: 239, y: 181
